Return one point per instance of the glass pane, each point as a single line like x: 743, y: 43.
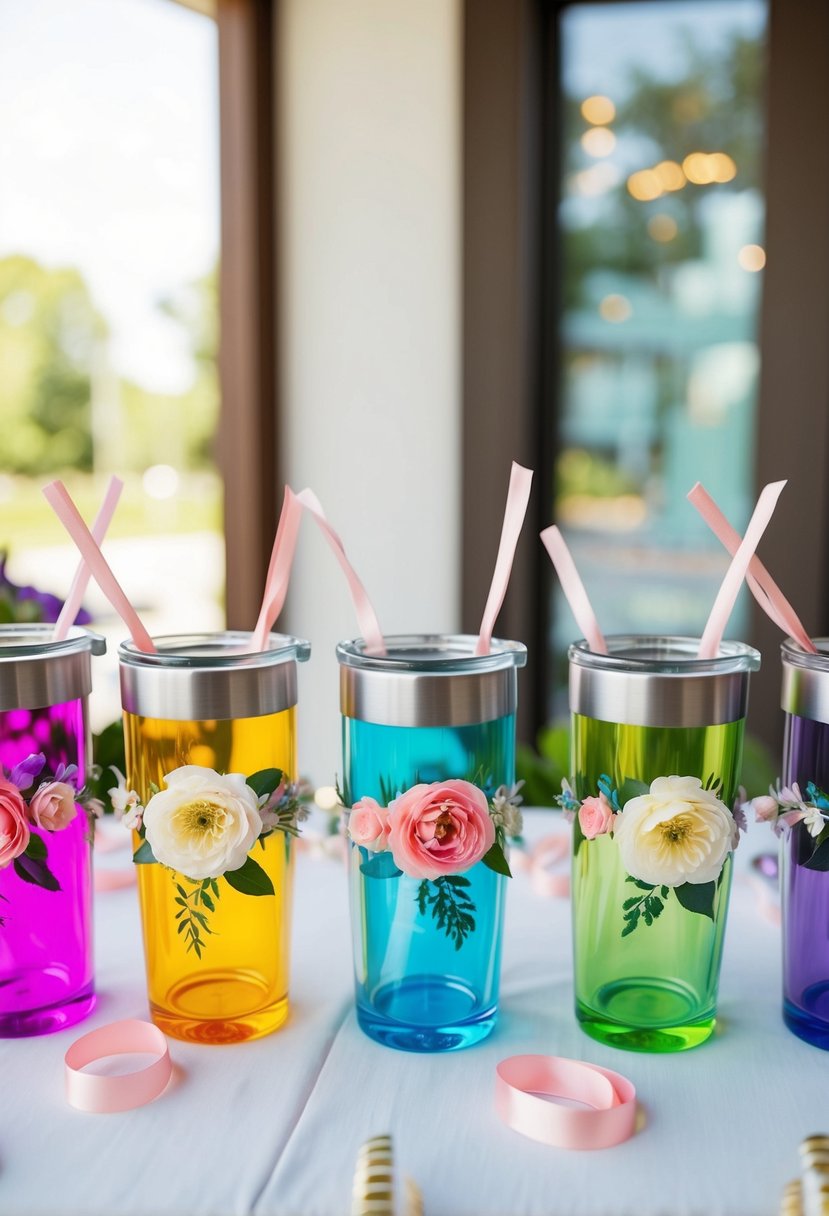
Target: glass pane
x: 661, y: 231
x: 109, y: 244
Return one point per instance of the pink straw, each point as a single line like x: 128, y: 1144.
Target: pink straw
x: 58, y: 498
x: 763, y: 587
x: 518, y: 495
x: 82, y: 575
x: 367, y: 620
x: 279, y: 572
x: 709, y: 646
x: 573, y: 589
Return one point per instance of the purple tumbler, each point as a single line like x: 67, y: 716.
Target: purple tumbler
x: 46, y: 968
x: 805, y: 870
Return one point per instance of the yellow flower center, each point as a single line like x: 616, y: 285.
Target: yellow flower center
x: 200, y: 818
x: 677, y: 830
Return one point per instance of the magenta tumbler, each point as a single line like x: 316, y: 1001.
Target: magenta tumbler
x: 805, y: 870
x: 46, y: 966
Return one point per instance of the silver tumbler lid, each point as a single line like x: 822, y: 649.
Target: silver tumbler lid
x: 36, y: 671
x: 429, y: 680
x: 805, y: 690
x: 659, y: 681
x: 200, y: 677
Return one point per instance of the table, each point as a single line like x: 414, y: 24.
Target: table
x: 272, y: 1127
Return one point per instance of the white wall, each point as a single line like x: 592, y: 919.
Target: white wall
x: 369, y: 180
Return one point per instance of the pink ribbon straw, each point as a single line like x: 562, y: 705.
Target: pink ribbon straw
x: 573, y: 589
x: 59, y: 500
x: 610, y: 1097
x: 367, y: 620
x: 82, y: 575
x: 518, y: 495
x: 763, y: 587
x: 709, y: 646
x: 279, y: 571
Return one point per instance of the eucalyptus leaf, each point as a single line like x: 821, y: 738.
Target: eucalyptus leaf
x: 143, y: 855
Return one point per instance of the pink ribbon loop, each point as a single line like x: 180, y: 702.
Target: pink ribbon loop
x: 108, y: 1095
x: 58, y: 498
x: 518, y: 496
x: 709, y: 646
x: 547, y: 864
x: 763, y: 587
x: 573, y: 589
x: 611, y: 1119
x: 279, y: 570
x: 367, y: 620
x: 83, y: 574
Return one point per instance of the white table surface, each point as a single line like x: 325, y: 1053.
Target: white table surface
x: 273, y: 1127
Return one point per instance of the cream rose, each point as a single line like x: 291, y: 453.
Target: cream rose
x: 676, y: 833
x: 204, y: 823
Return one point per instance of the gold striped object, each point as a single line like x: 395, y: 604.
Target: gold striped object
x: 373, y: 1192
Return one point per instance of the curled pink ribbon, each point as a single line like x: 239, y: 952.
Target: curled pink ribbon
x: 573, y: 589
x: 83, y: 574
x: 518, y: 495
x: 547, y: 865
x: 61, y: 503
x: 763, y: 587
x: 709, y: 646
x: 519, y: 1080
x: 279, y: 571
x: 107, y: 1095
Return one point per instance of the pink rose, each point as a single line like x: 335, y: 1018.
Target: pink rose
x: 14, y: 830
x: 368, y: 825
x: 442, y: 828
x: 596, y: 817
x: 52, y: 807
x: 765, y: 808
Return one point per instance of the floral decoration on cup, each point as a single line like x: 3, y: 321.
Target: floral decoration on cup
x: 672, y: 836
x: 436, y: 832
x: 33, y: 801
x: 785, y: 806
x: 202, y: 827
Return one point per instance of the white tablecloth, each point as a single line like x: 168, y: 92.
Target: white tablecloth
x: 272, y: 1127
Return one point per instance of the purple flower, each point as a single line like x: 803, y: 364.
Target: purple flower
x: 24, y: 773
x: 29, y: 604
x: 66, y: 772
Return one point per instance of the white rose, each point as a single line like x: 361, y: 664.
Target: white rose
x: 677, y: 833
x: 204, y: 823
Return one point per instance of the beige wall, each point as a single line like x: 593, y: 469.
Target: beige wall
x: 369, y: 130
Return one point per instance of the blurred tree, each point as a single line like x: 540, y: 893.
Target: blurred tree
x: 48, y: 331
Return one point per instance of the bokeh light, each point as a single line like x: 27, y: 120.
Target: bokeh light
x: 662, y: 227
x: 598, y: 141
x: 752, y: 257
x: 598, y: 110
x: 615, y: 308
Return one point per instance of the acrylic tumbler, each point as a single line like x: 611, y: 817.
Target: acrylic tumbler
x: 805, y: 886
x: 649, y: 709
x: 207, y: 700
x: 428, y: 710
x: 46, y: 963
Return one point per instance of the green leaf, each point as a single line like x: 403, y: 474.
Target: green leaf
x: 208, y: 902
x: 630, y: 788
x: 144, y: 855
x: 630, y: 903
x: 819, y: 859
x: 35, y: 871
x: 265, y: 781
x: 250, y: 879
x: 495, y: 859
x: 630, y: 927
x: 697, y: 897
x: 36, y: 847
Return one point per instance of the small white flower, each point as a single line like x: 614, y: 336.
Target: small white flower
x: 204, y: 823
x: 505, y: 813
x: 813, y: 821
x: 125, y: 803
x: 676, y: 833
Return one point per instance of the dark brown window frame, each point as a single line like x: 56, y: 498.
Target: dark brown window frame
x: 246, y: 448
x: 510, y: 355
